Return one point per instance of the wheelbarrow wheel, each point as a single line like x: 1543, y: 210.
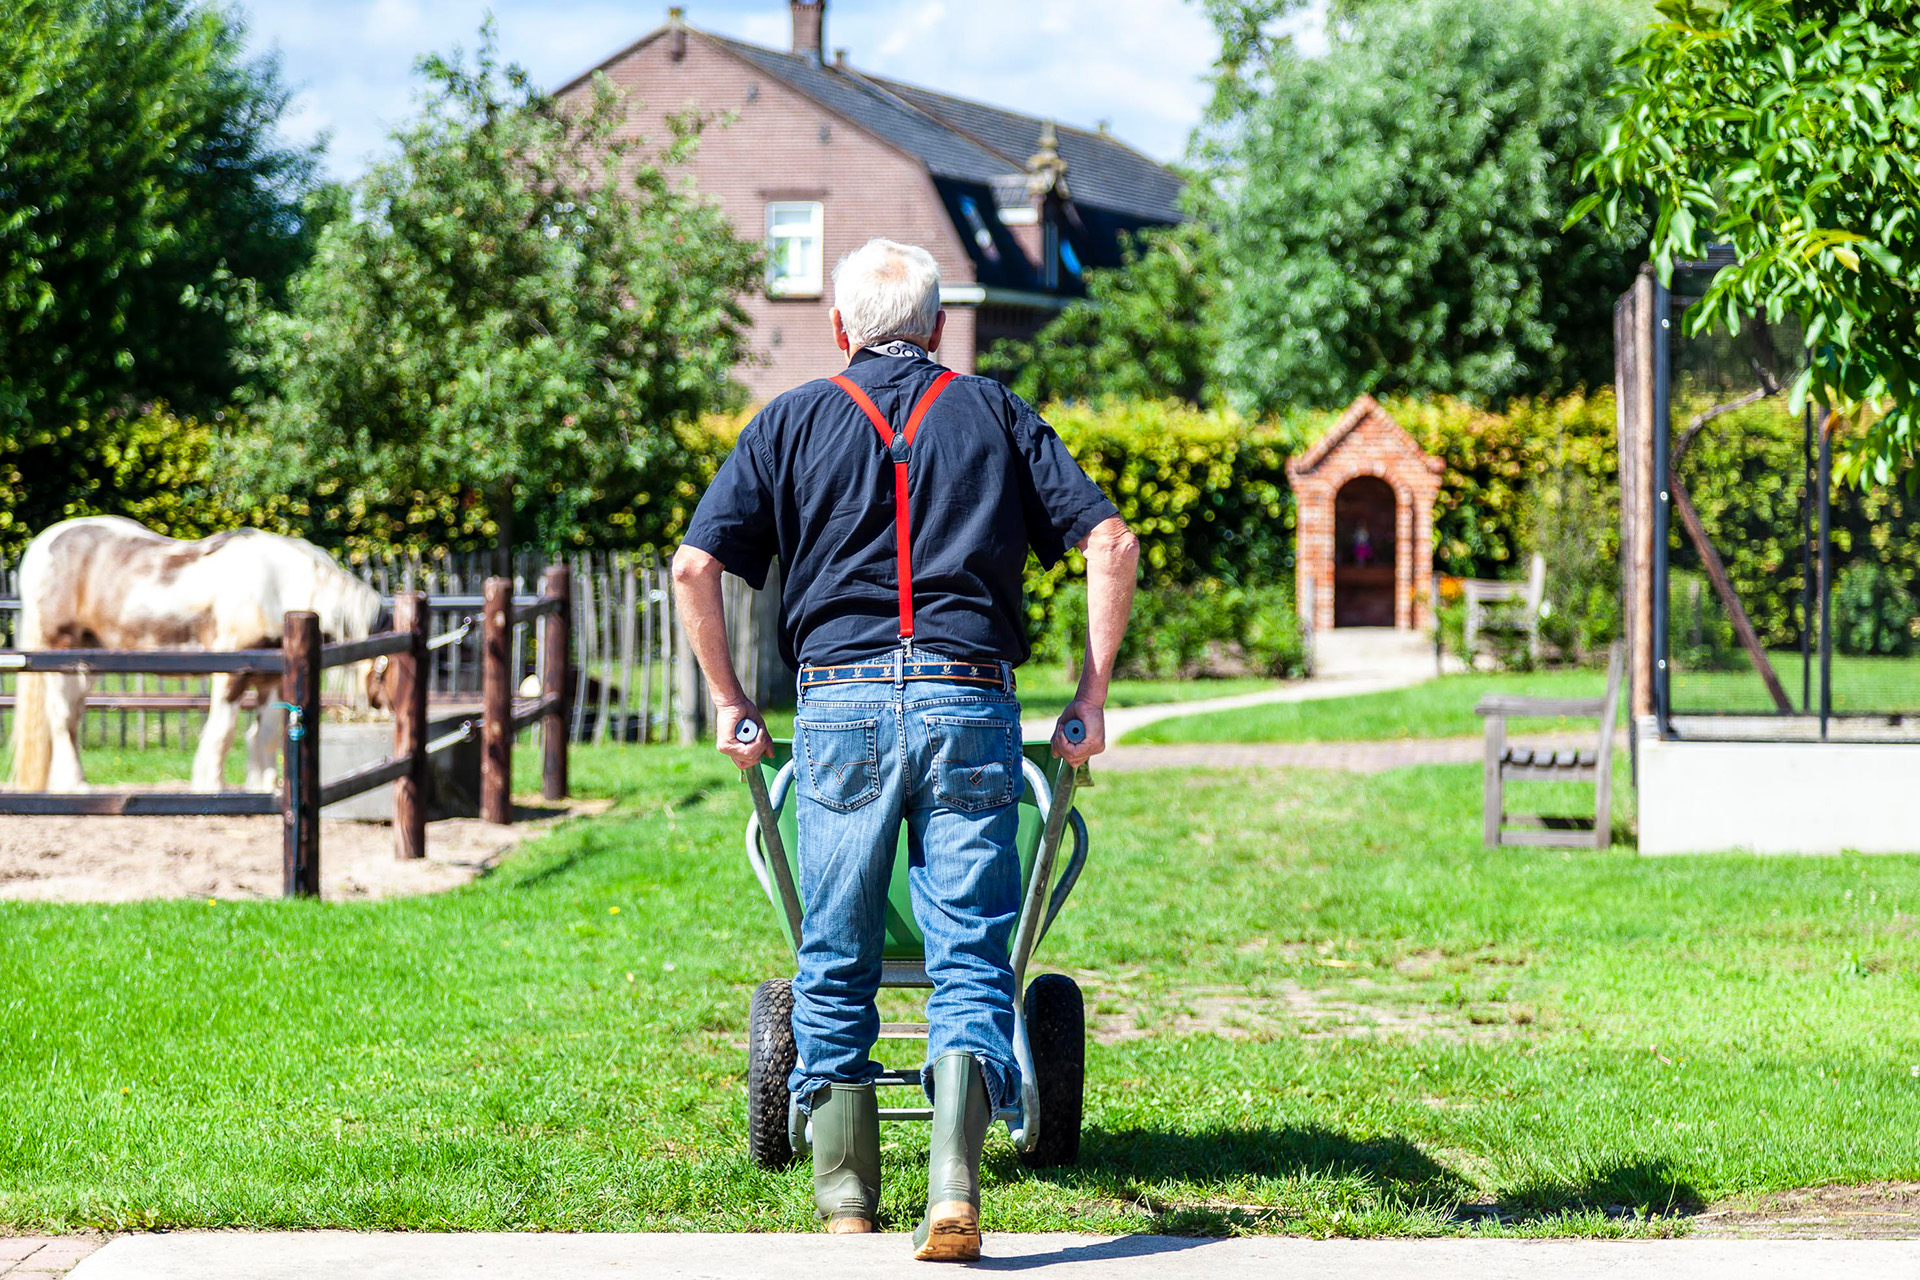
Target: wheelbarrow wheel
x: 1057, y: 1035
x: 770, y: 1057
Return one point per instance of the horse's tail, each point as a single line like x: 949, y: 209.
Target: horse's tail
x: 32, y: 736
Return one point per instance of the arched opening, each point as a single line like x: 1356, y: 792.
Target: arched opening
x: 1364, y: 538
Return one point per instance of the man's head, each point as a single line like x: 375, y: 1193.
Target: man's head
x: 885, y: 290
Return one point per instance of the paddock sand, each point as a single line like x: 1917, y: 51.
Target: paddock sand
x: 126, y: 859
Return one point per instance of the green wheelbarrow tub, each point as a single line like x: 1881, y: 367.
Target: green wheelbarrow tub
x: 904, y: 941
x: 1049, y: 1024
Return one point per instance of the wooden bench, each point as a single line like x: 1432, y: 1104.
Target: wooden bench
x: 1507, y: 763
x: 1523, y: 600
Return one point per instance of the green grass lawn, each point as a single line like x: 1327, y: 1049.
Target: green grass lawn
x: 1440, y: 708
x: 1860, y: 684
x: 1322, y: 1007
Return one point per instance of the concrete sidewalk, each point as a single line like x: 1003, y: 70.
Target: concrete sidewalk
x: 329, y: 1255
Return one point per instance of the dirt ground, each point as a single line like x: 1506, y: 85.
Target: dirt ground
x: 1870, y: 1211
x: 125, y: 859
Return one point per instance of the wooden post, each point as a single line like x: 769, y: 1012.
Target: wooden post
x: 557, y: 584
x: 407, y: 695
x: 496, y: 693
x: 300, y: 793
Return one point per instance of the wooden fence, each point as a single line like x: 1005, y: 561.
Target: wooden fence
x: 634, y: 679
x: 300, y: 662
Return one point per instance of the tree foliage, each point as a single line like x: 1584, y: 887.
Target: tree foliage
x: 1790, y: 129
x: 521, y: 310
x: 1146, y: 330
x: 1390, y: 214
x: 140, y: 185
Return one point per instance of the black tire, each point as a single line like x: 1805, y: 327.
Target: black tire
x: 770, y: 1056
x: 1057, y: 1034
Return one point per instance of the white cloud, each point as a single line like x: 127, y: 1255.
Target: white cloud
x: 1139, y: 63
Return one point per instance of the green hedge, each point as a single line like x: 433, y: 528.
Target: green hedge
x: 162, y: 470
x: 1205, y: 491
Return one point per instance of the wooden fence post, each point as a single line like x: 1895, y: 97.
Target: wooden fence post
x: 496, y: 693
x: 407, y: 695
x: 300, y: 794
x: 557, y: 584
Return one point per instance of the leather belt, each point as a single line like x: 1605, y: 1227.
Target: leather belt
x: 899, y: 667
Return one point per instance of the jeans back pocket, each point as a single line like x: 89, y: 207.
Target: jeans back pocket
x: 976, y: 761
x: 843, y: 761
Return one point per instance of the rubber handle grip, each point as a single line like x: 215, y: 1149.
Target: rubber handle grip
x: 748, y: 732
x: 1075, y: 729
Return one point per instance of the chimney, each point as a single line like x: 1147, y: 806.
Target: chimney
x: 809, y: 27
x: 839, y: 59
x: 676, y: 34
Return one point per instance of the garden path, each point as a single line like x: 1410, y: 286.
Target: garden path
x: 327, y: 1255
x: 1347, y: 661
x: 1352, y: 757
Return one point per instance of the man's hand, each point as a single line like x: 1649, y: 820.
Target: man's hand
x: 727, y: 720
x: 1091, y: 714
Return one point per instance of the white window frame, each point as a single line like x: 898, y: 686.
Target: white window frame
x: 813, y: 284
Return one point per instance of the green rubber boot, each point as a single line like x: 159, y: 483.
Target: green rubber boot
x: 846, y: 1157
x: 951, y: 1230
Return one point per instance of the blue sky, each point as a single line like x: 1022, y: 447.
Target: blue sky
x: 1139, y: 63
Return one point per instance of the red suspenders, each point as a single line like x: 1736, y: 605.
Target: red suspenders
x: 899, y: 444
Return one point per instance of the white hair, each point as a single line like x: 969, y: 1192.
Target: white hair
x: 885, y: 289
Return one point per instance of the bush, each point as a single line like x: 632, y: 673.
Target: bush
x: 1700, y: 634
x: 1873, y: 612
x: 1209, y: 628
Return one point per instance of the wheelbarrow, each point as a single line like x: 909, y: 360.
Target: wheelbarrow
x: 1049, y: 1025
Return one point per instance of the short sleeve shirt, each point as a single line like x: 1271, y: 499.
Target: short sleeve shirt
x: 811, y: 481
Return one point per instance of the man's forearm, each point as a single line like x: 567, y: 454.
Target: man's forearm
x: 696, y: 593
x: 1113, y: 558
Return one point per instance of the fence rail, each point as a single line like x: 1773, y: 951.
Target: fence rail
x: 299, y: 664
x: 634, y: 680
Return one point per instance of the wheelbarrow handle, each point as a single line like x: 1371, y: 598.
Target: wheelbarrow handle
x: 770, y: 835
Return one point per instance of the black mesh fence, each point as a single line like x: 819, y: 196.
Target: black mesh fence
x: 1750, y: 577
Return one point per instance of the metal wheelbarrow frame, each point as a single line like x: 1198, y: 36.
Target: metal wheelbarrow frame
x: 1045, y: 1123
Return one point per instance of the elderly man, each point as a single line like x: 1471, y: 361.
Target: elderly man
x: 902, y: 500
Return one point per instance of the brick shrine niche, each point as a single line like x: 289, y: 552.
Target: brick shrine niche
x: 1363, y: 508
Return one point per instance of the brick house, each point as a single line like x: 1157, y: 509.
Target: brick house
x: 819, y: 157
x: 1363, y: 501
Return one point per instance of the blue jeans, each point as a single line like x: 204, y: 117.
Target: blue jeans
x: 945, y: 758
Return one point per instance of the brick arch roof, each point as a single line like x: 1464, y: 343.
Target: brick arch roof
x: 1364, y: 413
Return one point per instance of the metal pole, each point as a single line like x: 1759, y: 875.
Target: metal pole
x: 407, y: 694
x: 300, y: 858
x: 1661, y: 426
x: 1826, y: 572
x: 1806, y: 560
x: 496, y: 697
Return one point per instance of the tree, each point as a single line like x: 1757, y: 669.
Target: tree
x: 1145, y: 331
x: 522, y: 308
x: 1390, y: 214
x: 1790, y: 129
x: 140, y: 186
x: 141, y: 183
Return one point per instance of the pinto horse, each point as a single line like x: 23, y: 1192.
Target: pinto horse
x: 106, y: 583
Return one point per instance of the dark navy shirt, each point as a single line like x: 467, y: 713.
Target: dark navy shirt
x: 811, y: 482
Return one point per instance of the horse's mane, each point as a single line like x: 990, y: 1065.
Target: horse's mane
x: 347, y: 606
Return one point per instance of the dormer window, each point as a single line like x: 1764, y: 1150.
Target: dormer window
x: 977, y: 224
x: 795, y: 254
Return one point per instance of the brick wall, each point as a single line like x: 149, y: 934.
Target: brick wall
x: 780, y: 145
x: 1366, y: 442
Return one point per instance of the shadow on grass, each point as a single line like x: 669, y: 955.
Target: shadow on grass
x: 1136, y: 1166
x: 1635, y: 1189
